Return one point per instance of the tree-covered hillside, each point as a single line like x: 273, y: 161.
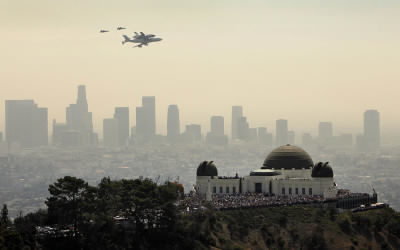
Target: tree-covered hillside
x: 142, y: 214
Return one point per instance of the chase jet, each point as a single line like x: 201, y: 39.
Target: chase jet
x: 104, y: 31
x: 121, y: 28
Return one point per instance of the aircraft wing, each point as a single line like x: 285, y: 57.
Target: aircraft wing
x: 138, y: 46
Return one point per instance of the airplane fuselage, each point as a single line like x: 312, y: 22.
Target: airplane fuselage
x: 141, y: 40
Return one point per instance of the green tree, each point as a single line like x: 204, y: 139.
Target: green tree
x: 344, y: 223
x: 393, y: 225
x: 10, y: 239
x: 4, y: 220
x: 66, y: 200
x: 26, y: 226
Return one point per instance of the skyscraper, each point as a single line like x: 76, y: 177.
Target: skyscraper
x: 217, y: 125
x: 149, y: 105
x: 122, y: 115
x: 372, y: 129
x: 80, y: 119
x: 26, y: 123
x: 193, y: 133
x: 264, y: 137
x: 243, y: 129
x: 252, y: 134
x: 78, y: 128
x: 146, y: 119
x: 173, y: 123
x: 111, y: 132
x: 282, y: 132
x: 237, y: 113
x: 217, y: 135
x: 261, y: 133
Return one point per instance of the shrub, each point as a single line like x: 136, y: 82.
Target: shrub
x: 345, y: 224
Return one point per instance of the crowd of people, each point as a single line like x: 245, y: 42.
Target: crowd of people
x: 193, y: 202
x: 246, y: 200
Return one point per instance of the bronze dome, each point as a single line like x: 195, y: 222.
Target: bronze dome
x: 207, y: 168
x: 288, y: 157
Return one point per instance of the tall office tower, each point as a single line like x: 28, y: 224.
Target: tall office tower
x: 237, y: 113
x: 291, y: 137
x: 193, y: 133
x: 243, y: 129
x: 111, y: 132
x: 264, y: 137
x: 307, y: 139
x: 26, y: 123
x: 325, y: 132
x: 372, y: 130
x: 282, y: 132
x: 252, y: 134
x: 122, y: 115
x: 63, y: 136
x: 81, y: 100
x: 217, y: 125
x: 146, y: 119
x: 217, y: 135
x: 173, y: 123
x: 149, y: 105
x: 79, y: 119
x: 78, y: 128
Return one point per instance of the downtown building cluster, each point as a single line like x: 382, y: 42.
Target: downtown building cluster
x: 27, y: 127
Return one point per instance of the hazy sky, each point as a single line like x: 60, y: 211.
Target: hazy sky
x: 303, y: 60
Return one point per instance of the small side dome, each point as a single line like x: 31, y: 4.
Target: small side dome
x: 207, y: 168
x: 322, y: 170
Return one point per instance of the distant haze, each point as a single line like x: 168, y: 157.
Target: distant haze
x: 305, y: 61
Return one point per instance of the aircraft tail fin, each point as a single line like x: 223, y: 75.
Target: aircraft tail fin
x: 126, y: 39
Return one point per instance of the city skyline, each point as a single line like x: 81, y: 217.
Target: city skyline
x: 235, y: 109
x: 161, y: 117
x: 78, y: 129
x: 308, y: 62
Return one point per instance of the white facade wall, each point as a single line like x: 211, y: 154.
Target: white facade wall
x: 249, y: 183
x: 224, y: 186
x: 293, y: 183
x: 288, y: 180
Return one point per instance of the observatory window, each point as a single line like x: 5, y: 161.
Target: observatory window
x: 290, y: 190
x: 303, y: 191
x: 258, y: 187
x: 227, y: 190
x: 214, y: 190
x: 310, y: 191
x: 221, y: 190
x: 297, y: 190
x: 283, y: 191
x: 234, y: 190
